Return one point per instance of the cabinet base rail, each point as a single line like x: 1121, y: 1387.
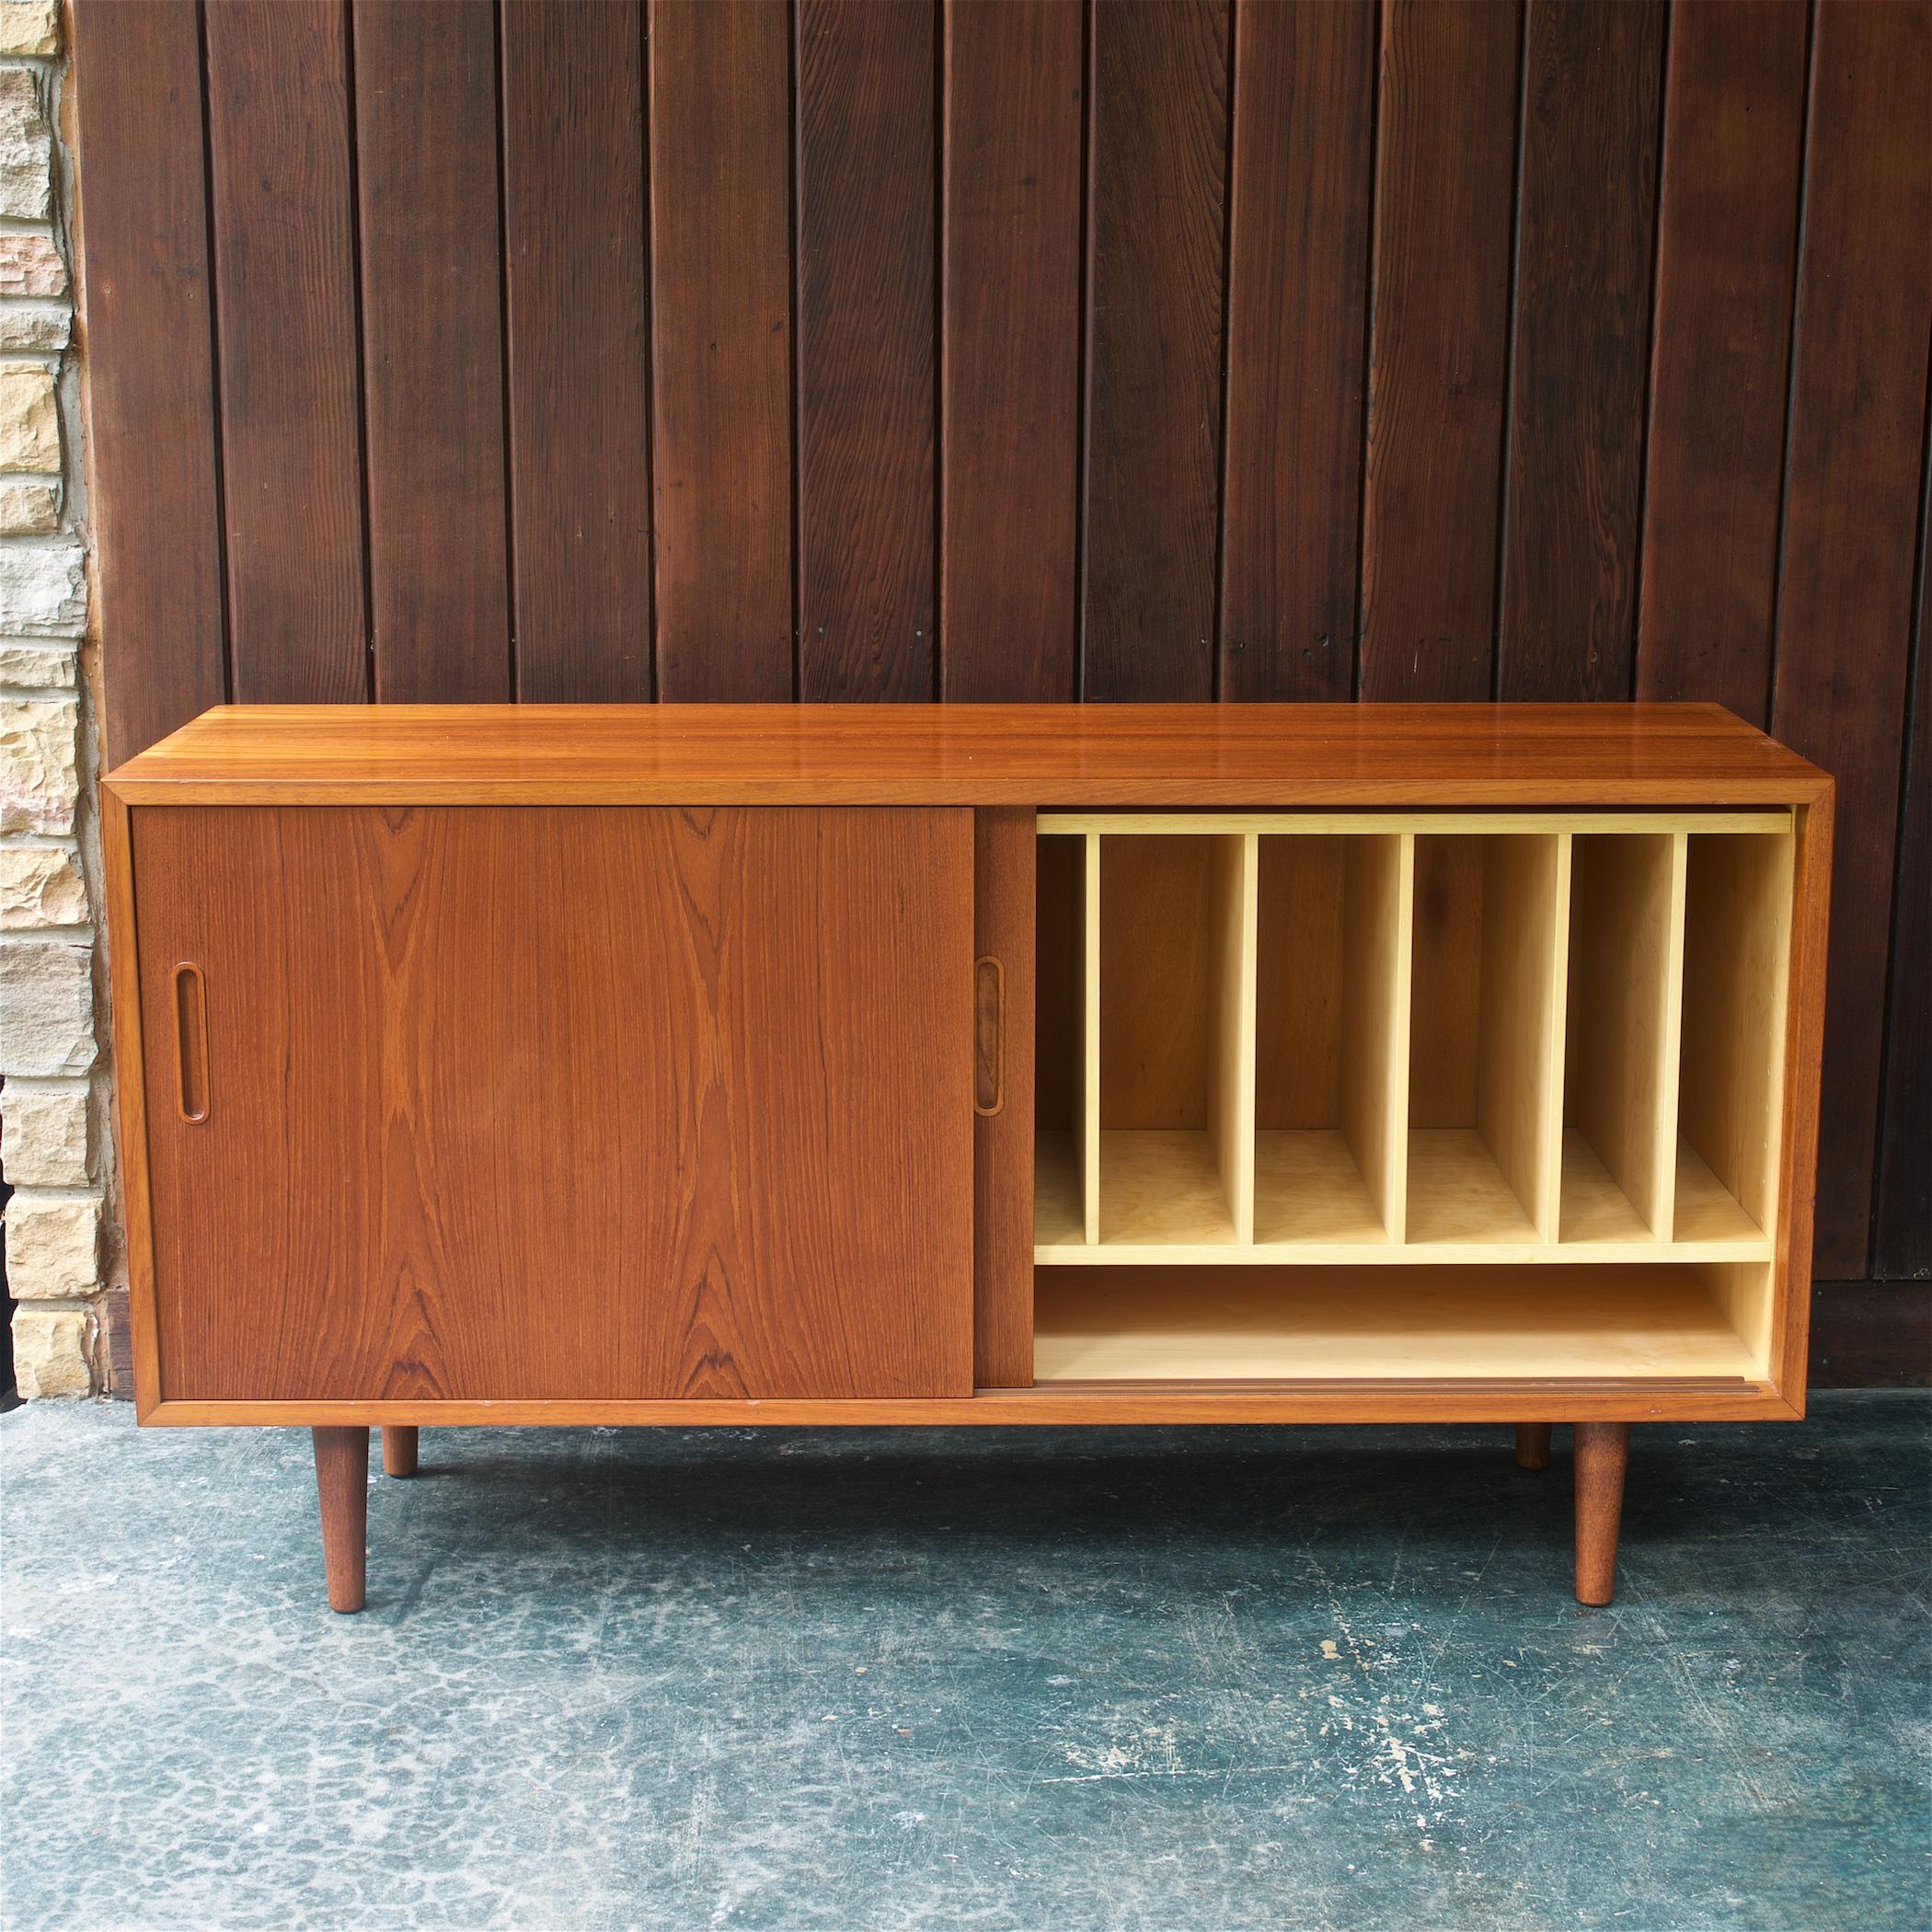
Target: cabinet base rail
x: 1602, y: 1454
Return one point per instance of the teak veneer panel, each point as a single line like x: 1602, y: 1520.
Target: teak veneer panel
x: 1041, y: 755
x: 541, y: 1104
x: 1003, y: 1128
x: 1334, y: 1398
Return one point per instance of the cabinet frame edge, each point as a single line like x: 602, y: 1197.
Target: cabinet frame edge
x: 130, y: 1078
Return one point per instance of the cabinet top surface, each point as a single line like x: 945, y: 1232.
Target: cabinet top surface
x: 968, y: 754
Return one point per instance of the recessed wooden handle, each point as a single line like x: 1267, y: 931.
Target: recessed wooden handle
x: 989, y: 1030
x: 190, y: 1044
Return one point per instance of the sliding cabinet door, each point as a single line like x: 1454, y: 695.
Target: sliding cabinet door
x: 534, y: 1103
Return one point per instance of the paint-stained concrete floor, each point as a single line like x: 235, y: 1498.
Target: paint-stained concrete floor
x: 1037, y: 1682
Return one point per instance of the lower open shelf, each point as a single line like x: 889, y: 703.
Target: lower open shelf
x: 1625, y: 1323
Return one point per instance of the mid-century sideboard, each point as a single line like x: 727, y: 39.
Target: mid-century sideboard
x: 959, y: 1064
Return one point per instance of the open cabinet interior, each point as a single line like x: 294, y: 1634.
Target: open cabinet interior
x: 1621, y: 1037
x: 1452, y: 1092
x: 1618, y: 1321
x: 1331, y: 1024
x: 1737, y: 943
x: 1485, y: 1018
x: 1176, y: 1148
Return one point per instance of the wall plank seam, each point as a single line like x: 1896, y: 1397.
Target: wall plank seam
x: 1649, y: 360
x: 361, y: 347
x: 214, y: 361
x: 1784, y: 467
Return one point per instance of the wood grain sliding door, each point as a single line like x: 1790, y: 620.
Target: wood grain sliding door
x: 536, y: 1103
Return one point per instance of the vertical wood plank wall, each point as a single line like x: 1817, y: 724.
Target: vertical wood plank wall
x: 1015, y: 349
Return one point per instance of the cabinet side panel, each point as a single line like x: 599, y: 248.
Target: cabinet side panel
x: 130, y: 1092
x: 1803, y: 1065
x: 1003, y: 1140
x: 540, y: 1103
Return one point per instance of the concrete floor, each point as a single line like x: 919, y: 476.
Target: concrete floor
x: 1038, y: 1682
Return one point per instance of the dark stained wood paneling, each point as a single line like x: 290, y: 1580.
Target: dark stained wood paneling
x: 1305, y: 82
x: 1444, y: 168
x: 650, y: 1150
x: 1014, y: 86
x: 721, y: 356
x: 1903, y: 1218
x: 1588, y: 190
x: 236, y: 293
x: 150, y: 368
x: 580, y: 469
x: 1726, y: 241
x: 291, y: 377
x: 867, y: 532
x: 426, y: 154
x: 1156, y: 179
x: 1851, y: 529
x: 1004, y: 848
x: 1871, y: 1335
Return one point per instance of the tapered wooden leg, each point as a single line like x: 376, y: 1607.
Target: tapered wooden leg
x: 1602, y: 1451
x: 1532, y: 1445
x: 399, y: 1449
x: 342, y: 1482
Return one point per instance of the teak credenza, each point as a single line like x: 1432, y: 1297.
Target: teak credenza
x: 1001, y: 1064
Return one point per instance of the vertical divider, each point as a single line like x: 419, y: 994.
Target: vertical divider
x: 1548, y: 1206
x: 1663, y: 1220
x: 1378, y: 921
x: 1231, y: 1072
x: 1089, y: 1129
x: 1526, y: 953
